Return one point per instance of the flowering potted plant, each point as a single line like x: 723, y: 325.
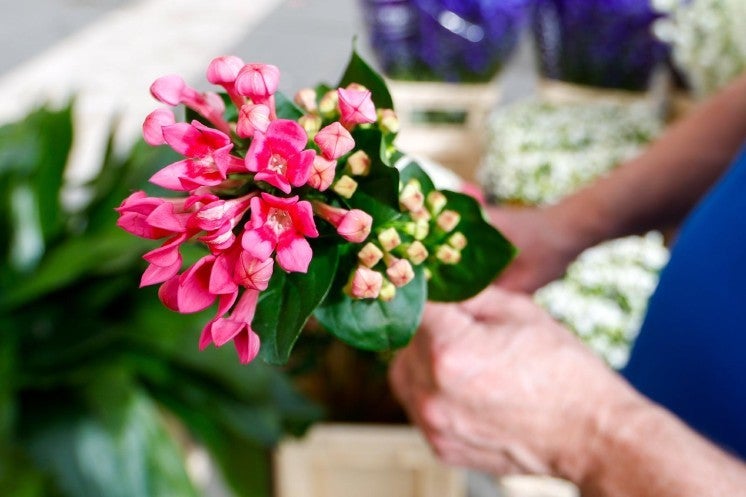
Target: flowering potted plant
x: 301, y: 212
x: 598, y: 43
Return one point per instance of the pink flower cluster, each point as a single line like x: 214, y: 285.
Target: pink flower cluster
x: 242, y: 186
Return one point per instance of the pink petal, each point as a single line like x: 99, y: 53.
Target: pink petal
x: 303, y: 219
x: 256, y: 245
x: 183, y: 138
x: 294, y: 254
x: 205, y: 338
x: 300, y: 167
x: 252, y: 272
x: 158, y: 274
x: 224, y: 69
x: 152, y: 127
x: 168, y: 293
x: 170, y: 176
x: 168, y: 89
x: 247, y: 345
x: 258, y: 80
x: 274, y: 179
x: 289, y: 131
x: 252, y: 118
x: 163, y: 217
x: 334, y: 141
x: 224, y: 330
x: 194, y: 287
x: 167, y: 254
x: 221, y: 278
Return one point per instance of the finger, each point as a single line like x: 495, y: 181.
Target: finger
x: 440, y: 324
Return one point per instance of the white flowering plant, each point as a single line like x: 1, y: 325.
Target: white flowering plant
x: 539, y: 152
x: 707, y: 40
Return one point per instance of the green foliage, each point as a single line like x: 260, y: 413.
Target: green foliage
x: 97, y: 376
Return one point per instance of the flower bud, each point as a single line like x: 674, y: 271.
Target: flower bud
x: 447, y: 254
x: 223, y: 70
x: 252, y: 117
x: 356, y: 87
x: 448, y: 220
x: 417, y: 253
x: 457, y: 241
x: 334, y: 140
x: 359, y: 163
x: 355, y: 226
x: 364, y: 283
x: 258, y: 81
x: 311, y: 123
x: 388, y: 121
x: 389, y: 239
x: 252, y: 272
x: 152, y: 128
x: 388, y: 291
x: 369, y: 255
x: 436, y: 201
x: 305, y: 98
x: 355, y: 107
x: 420, y: 215
x: 322, y: 173
x: 345, y: 186
x: 328, y: 103
x: 411, y: 197
x: 400, y: 272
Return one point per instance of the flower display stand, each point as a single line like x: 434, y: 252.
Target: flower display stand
x: 363, y: 460
x: 444, y: 122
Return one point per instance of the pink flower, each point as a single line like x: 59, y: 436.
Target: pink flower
x: 353, y: 225
x: 281, y: 225
x: 152, y: 127
x: 334, y: 141
x: 322, y: 173
x: 365, y: 283
x: 278, y: 156
x: 237, y: 327
x: 152, y: 217
x: 356, y: 107
x: 208, y: 159
x: 218, y: 218
x: 252, y: 117
x: 172, y: 90
x: 258, y: 81
x: 223, y: 71
x: 165, y: 262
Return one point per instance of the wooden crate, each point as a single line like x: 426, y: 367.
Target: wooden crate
x: 344, y: 460
x: 458, y: 146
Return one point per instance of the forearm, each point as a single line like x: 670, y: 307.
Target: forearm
x: 647, y: 452
x: 658, y: 188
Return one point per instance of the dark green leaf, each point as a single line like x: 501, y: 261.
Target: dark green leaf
x: 287, y: 304
x: 413, y: 171
x: 359, y: 71
x: 371, y: 324
x: 286, y: 108
x: 487, y: 253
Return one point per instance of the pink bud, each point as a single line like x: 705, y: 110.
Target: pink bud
x: 345, y: 186
x: 411, y: 197
x: 168, y: 89
x: 355, y: 226
x: 322, y: 173
x: 400, y: 272
x: 447, y: 254
x: 365, y: 283
x: 258, y: 81
x: 334, y: 140
x: 389, y: 239
x: 152, y: 127
x: 252, y: 117
x: 306, y: 99
x: 417, y: 252
x: 448, y: 220
x: 359, y: 163
x: 356, y: 107
x: 369, y: 255
x: 224, y: 69
x: 252, y: 272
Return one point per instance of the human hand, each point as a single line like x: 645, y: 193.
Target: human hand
x: 496, y: 384
x: 545, y: 247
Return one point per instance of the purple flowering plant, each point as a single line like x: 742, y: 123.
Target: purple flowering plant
x: 444, y: 40
x: 604, y: 43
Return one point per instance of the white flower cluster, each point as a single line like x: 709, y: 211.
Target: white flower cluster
x: 539, y: 152
x: 604, y: 295
x: 707, y: 39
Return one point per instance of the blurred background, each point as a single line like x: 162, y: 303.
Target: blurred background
x: 102, y: 390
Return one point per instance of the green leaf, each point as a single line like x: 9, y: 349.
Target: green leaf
x: 118, y: 448
x: 287, y: 304
x: 359, y: 71
x: 286, y: 108
x: 382, y: 182
x: 413, y: 171
x: 371, y: 324
x: 486, y: 254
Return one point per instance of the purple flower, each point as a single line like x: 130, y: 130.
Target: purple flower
x: 444, y: 40
x: 606, y: 43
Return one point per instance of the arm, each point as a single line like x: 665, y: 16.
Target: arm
x: 659, y: 187
x: 497, y: 385
x: 655, y: 190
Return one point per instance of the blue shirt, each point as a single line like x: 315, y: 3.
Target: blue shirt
x: 690, y: 355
